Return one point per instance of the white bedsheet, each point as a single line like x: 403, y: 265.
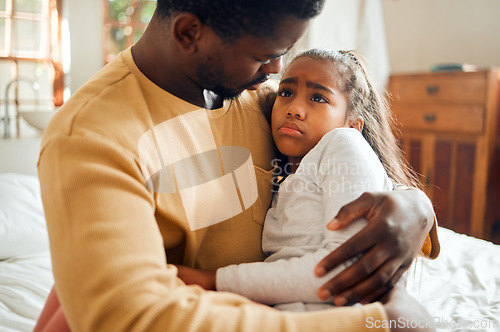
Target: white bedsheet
x: 25, y: 283
x: 461, y: 288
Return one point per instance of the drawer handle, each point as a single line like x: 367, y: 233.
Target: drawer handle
x: 430, y: 118
x: 432, y: 89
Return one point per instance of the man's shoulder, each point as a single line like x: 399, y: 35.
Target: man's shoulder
x: 101, y: 106
x: 259, y: 101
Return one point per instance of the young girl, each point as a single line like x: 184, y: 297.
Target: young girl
x: 335, y: 131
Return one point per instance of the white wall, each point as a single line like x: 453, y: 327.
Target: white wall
x: 85, y: 28
x: 421, y: 33
x: 20, y: 155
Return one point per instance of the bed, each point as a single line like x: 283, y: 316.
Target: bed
x: 25, y: 266
x: 460, y: 289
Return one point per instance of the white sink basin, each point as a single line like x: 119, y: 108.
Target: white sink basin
x: 38, y: 119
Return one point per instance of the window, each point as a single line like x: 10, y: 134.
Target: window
x: 25, y: 29
x: 124, y: 23
x: 30, y: 50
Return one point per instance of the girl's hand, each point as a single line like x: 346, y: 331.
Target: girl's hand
x: 190, y: 276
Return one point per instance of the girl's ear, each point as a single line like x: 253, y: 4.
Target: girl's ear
x: 357, y: 123
x: 187, y: 31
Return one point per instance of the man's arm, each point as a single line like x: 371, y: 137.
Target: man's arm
x: 399, y: 223
x: 109, y: 257
x: 341, y: 166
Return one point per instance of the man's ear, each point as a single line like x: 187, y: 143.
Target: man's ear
x: 357, y: 123
x: 187, y: 30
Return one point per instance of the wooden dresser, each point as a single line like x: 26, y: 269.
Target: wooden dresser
x: 447, y: 126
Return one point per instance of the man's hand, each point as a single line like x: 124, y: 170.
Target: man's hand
x: 406, y: 312
x: 190, y: 276
x: 398, y: 222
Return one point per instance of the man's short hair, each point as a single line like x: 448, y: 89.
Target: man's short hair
x: 231, y: 19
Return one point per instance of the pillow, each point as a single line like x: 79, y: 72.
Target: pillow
x: 22, y: 222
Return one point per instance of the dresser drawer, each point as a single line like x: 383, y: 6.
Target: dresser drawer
x: 441, y: 87
x: 446, y: 128
x: 460, y: 118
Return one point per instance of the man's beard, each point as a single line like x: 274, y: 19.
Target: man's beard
x: 226, y: 93
x: 211, y: 76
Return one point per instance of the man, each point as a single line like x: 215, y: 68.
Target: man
x: 164, y: 157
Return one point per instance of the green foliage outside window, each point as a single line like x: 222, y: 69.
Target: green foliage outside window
x: 126, y: 22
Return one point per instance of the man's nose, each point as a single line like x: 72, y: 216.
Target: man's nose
x: 273, y: 67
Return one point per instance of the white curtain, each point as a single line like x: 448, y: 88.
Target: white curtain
x: 353, y: 25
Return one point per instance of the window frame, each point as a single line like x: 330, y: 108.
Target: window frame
x: 10, y: 15
x: 52, y: 15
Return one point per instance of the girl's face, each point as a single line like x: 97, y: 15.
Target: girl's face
x: 308, y: 106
